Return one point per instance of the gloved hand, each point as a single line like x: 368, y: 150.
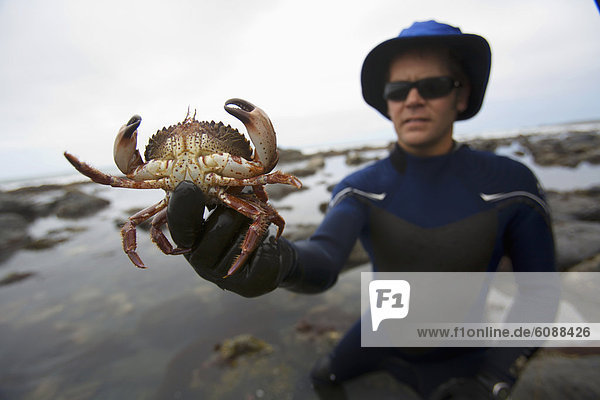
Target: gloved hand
x: 216, y: 242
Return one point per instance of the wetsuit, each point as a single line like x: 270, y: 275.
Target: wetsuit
x: 462, y: 211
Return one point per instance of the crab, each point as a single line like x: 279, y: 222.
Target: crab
x: 216, y: 158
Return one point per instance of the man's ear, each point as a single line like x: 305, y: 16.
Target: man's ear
x: 462, y: 99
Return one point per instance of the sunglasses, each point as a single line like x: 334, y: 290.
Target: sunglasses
x: 428, y: 88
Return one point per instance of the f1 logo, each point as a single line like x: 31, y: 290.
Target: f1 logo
x: 389, y: 299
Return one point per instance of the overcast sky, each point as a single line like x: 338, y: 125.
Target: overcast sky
x: 72, y: 71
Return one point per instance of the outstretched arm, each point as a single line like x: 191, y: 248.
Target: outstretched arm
x: 308, y: 266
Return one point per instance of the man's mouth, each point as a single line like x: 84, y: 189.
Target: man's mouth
x: 410, y: 120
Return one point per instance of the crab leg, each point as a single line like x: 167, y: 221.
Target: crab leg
x: 260, y: 192
x: 104, y: 179
x: 261, y: 215
x: 159, y: 237
x: 274, y: 177
x: 128, y: 231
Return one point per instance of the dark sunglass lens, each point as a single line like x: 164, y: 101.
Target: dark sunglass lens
x: 431, y: 88
x: 396, y: 91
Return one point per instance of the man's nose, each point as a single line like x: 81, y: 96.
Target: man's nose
x: 413, y: 98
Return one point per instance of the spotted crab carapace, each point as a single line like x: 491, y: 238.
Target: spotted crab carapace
x: 216, y: 158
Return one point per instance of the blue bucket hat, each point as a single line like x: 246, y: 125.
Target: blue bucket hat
x: 473, y: 53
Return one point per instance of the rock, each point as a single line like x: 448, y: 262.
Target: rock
x: 490, y: 144
x: 325, y: 321
x: 583, y: 287
x: 323, y: 207
x: 76, y: 204
x: 228, y: 351
x: 575, y: 241
x: 355, y: 158
x: 567, y: 151
x: 299, y: 231
x: 314, y: 164
x: 582, y: 205
x: 279, y: 191
x: 15, y: 277
x: 44, y: 243
x: 559, y: 378
x: 590, y: 265
x: 14, y: 204
x: 13, y: 235
x: 290, y: 155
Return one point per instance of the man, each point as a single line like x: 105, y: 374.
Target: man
x: 432, y: 205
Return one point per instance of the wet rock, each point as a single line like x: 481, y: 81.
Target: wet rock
x: 582, y: 205
x: 324, y: 321
x: 355, y: 158
x: 279, y: 191
x: 312, y: 166
x: 13, y: 235
x: 299, y: 231
x: 44, y: 243
x: 14, y: 277
x: 290, y: 155
x: 575, y: 241
x: 76, y: 204
x: 490, y: 144
x: 567, y: 151
x: 230, y: 350
x: 323, y: 207
x: 590, y: 265
x: 583, y: 287
x: 14, y: 204
x: 53, y: 237
x: 559, y: 378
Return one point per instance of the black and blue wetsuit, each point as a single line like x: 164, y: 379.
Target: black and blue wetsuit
x: 462, y: 211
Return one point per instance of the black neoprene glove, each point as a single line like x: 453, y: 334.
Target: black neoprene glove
x: 216, y: 242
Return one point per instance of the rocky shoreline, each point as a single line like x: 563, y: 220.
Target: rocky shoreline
x: 576, y: 214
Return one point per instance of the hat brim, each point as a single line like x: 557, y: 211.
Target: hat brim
x: 473, y: 50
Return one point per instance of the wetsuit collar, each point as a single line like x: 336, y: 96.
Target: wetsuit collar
x: 399, y: 157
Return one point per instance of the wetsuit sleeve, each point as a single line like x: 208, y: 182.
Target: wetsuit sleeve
x: 321, y: 258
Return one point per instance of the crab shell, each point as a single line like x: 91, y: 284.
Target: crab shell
x: 192, y: 150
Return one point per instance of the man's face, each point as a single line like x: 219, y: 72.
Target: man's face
x: 424, y: 127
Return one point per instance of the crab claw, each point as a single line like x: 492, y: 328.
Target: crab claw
x: 259, y: 128
x: 127, y: 157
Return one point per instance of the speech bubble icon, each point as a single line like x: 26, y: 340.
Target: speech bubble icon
x: 389, y: 299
